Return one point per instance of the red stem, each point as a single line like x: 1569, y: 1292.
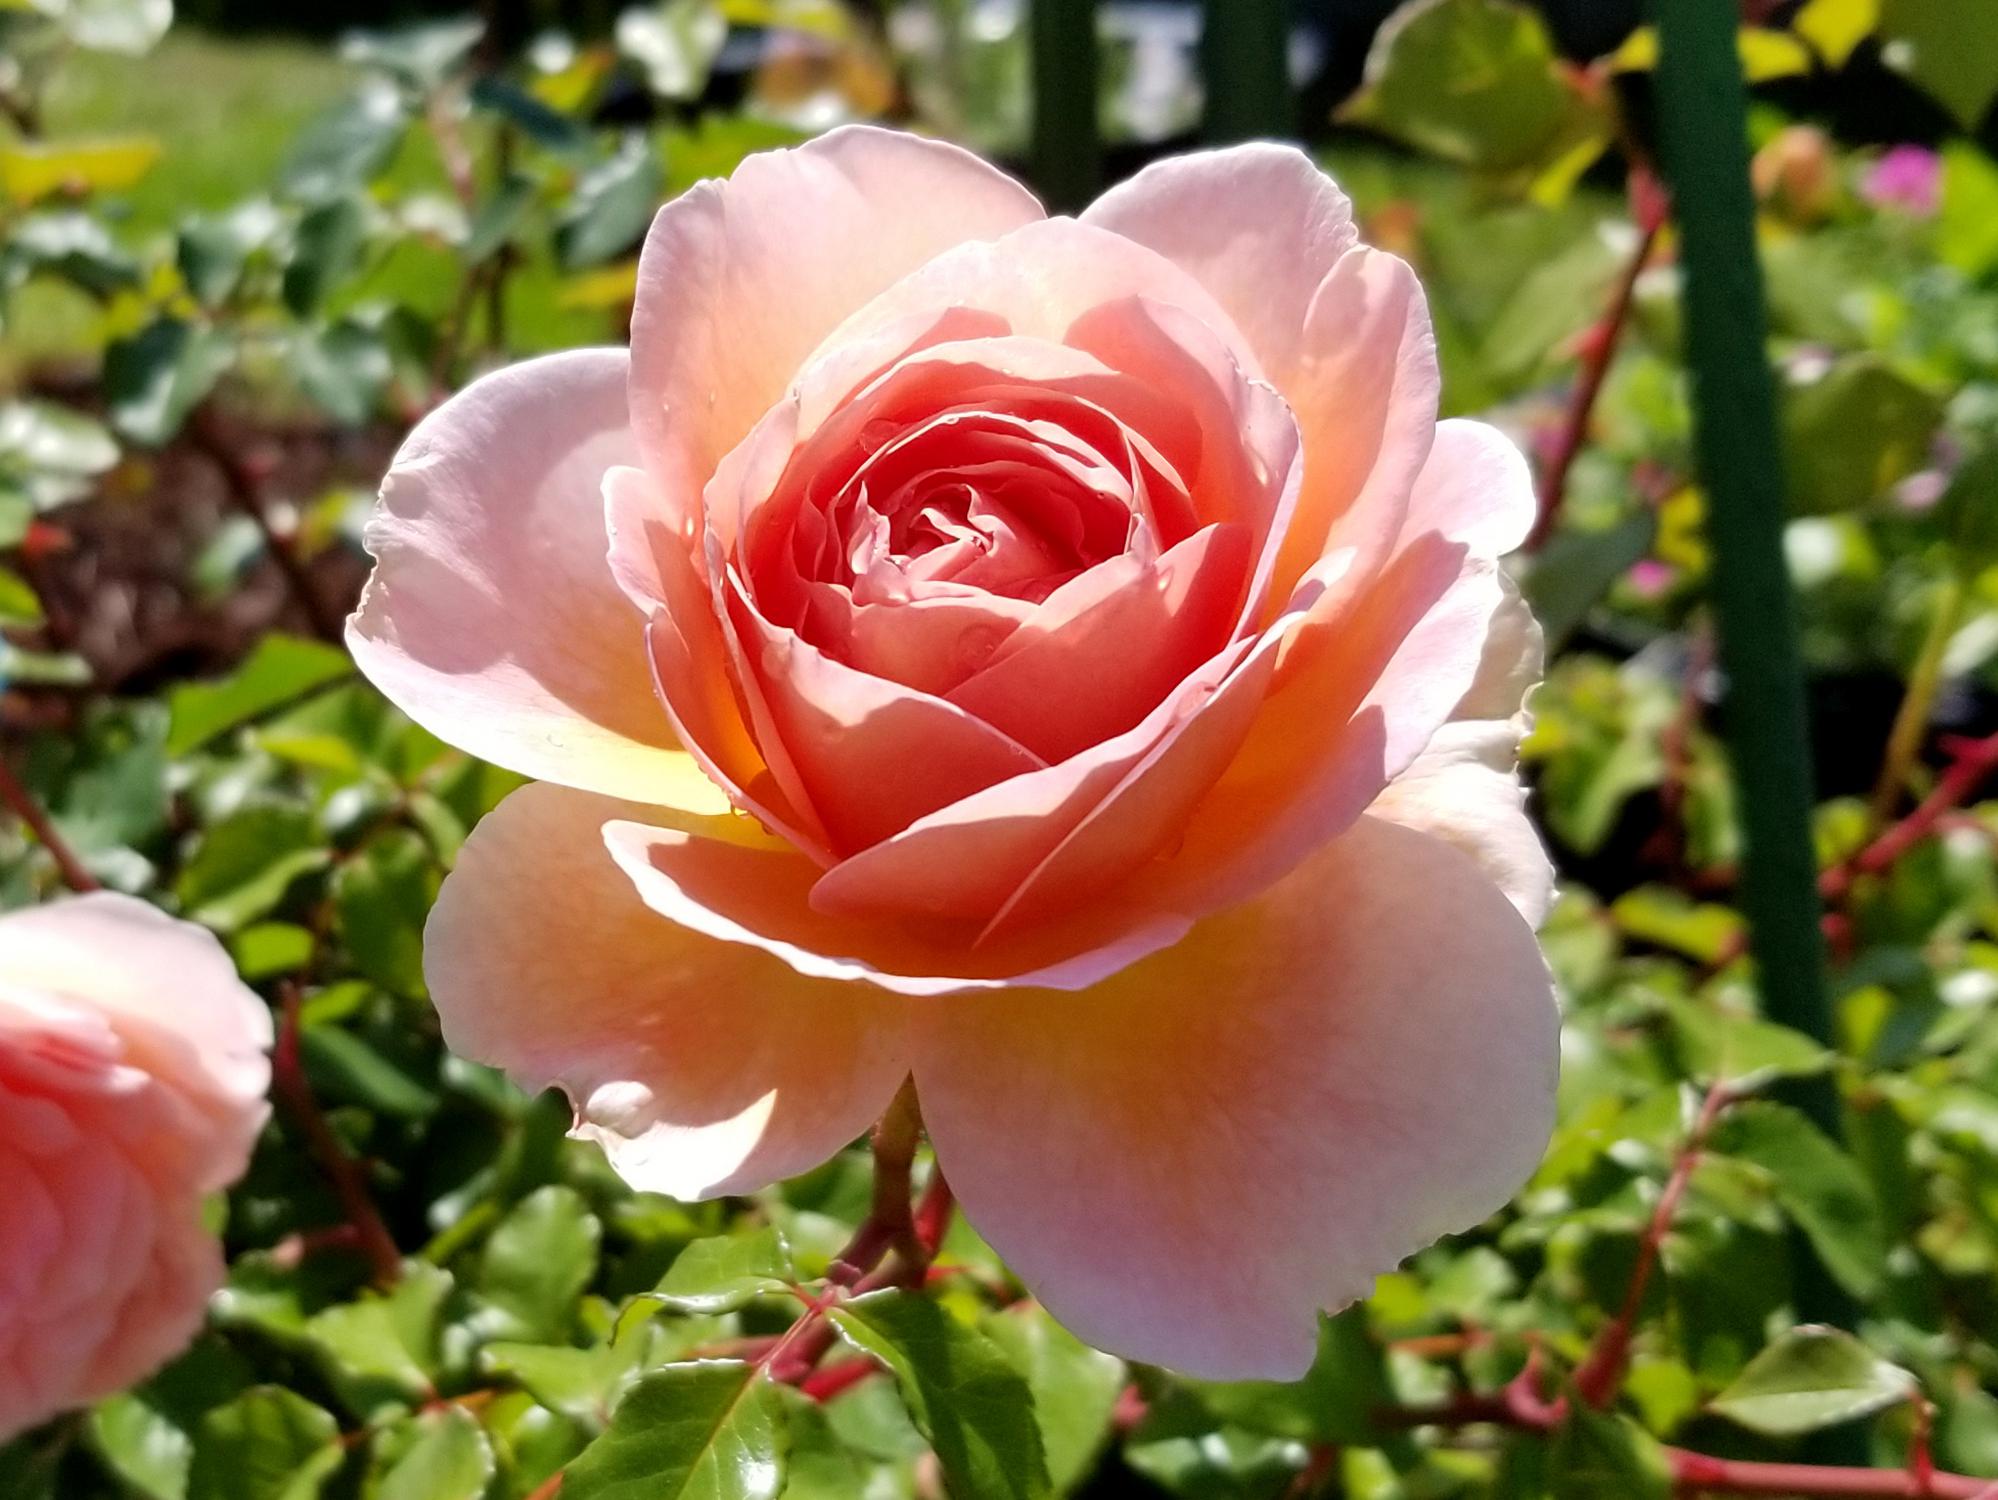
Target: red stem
x: 1650, y: 207
x: 933, y: 1214
x: 291, y: 1088
x: 18, y: 800
x: 1600, y: 1375
x: 1971, y: 761
x: 246, y: 492
x: 1519, y: 1406
x: 823, y: 1385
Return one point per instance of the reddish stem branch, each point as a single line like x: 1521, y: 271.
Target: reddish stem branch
x: 1650, y: 207
x: 1971, y: 762
x: 933, y: 1214
x: 23, y: 804
x: 291, y: 1088
x: 246, y: 492
x: 1600, y: 1375
x: 1519, y: 1405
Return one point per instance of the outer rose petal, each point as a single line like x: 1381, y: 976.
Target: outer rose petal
x: 1257, y: 225
x: 1355, y: 1063
x: 703, y: 1067
x: 740, y: 280
x: 1464, y: 786
x: 491, y: 617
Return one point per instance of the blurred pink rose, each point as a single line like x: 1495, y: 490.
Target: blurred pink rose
x: 132, y: 1077
x: 1063, y: 659
x: 1906, y: 177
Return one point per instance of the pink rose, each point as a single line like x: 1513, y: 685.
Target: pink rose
x: 1063, y: 659
x: 132, y: 1077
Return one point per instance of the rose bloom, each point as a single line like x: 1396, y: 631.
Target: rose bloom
x: 1061, y: 659
x: 132, y: 1078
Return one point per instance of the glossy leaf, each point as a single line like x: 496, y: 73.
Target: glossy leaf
x: 974, y: 1408
x: 709, y: 1430
x: 1812, y: 1377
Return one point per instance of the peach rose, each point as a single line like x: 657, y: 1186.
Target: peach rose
x: 1061, y: 659
x: 132, y: 1077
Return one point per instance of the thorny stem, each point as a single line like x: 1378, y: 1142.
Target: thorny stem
x: 291, y: 1088
x: 1650, y: 207
x: 22, y: 803
x: 246, y: 493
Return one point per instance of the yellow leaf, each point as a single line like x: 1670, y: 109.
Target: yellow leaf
x: 609, y: 286
x: 33, y: 170
x: 1835, y: 27
x: 1765, y: 54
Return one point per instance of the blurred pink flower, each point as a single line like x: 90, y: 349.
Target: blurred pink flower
x: 1107, y: 646
x: 1906, y: 177
x: 132, y: 1078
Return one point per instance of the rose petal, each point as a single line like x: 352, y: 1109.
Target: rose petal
x: 732, y: 297
x: 872, y: 755
x: 1258, y: 225
x: 170, y: 991
x: 1464, y: 786
x: 490, y: 618
x: 1256, y: 1123
x: 703, y: 1067
x: 761, y: 898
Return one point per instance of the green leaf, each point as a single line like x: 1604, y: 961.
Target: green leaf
x: 267, y: 1444
x: 610, y: 207
x: 1074, y: 1387
x: 1725, y: 1046
x: 422, y: 56
x: 1818, y: 1186
x: 1967, y: 223
x: 726, y: 1271
x: 145, y: 1448
x: 325, y: 250
x: 153, y: 379
x: 544, y: 125
x: 246, y: 863
x: 347, y: 1067
x: 74, y: 246
x: 1812, y: 1377
x: 974, y: 1408
x: 448, y: 1459
x: 1575, y: 569
x: 380, y: 1352
x: 539, y: 1260
x: 1853, y: 433
x: 20, y: 606
x: 1598, y: 1454
x: 281, y: 669
x: 344, y: 367
x: 674, y: 42
x: 1945, y: 47
x: 1472, y: 81
x: 381, y: 896
x: 348, y: 144
x: 211, y: 251
x: 709, y: 1430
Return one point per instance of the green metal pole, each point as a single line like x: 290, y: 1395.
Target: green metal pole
x: 1067, y: 144
x: 1245, y: 56
x: 1702, y: 111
